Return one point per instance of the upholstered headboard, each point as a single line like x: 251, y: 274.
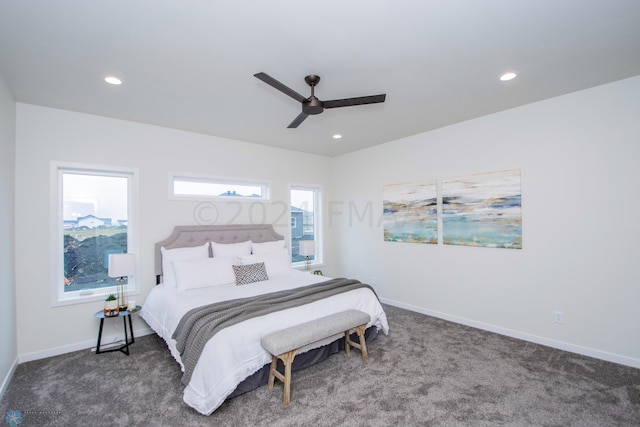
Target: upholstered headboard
x: 184, y: 236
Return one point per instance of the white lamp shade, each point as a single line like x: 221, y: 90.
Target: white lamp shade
x: 121, y: 265
x: 307, y: 248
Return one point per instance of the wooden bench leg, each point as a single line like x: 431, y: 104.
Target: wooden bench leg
x: 272, y: 371
x: 362, y: 345
x: 287, y: 359
x: 347, y: 341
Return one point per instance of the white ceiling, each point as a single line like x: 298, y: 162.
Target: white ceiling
x: 189, y: 64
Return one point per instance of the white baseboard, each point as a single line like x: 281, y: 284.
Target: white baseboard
x: 560, y: 345
x: 85, y: 345
x: 7, y: 378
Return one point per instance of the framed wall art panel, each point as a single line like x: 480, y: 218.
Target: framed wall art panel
x: 483, y: 210
x: 410, y: 212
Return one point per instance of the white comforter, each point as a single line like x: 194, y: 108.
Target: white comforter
x: 219, y: 372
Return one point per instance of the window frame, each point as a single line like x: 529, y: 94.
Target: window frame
x: 58, y: 169
x: 318, y: 258
x: 264, y: 184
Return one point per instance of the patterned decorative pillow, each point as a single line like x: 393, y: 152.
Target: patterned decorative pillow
x: 250, y: 273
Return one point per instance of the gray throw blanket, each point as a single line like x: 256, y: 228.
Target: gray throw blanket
x: 200, y: 324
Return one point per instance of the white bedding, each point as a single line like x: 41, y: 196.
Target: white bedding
x: 235, y: 353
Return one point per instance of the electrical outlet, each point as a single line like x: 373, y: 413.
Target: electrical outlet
x: 558, y: 317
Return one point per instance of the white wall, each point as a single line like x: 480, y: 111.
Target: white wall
x: 8, y: 343
x: 45, y: 134
x: 579, y: 156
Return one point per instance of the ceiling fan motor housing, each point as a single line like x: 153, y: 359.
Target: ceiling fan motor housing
x: 312, y: 106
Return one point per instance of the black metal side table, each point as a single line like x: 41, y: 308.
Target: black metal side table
x: 127, y: 342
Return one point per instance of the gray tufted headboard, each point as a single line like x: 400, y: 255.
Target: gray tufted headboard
x: 184, y: 236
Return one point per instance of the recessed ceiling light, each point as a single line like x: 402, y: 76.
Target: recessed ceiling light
x: 113, y: 80
x: 508, y: 76
x: 337, y: 136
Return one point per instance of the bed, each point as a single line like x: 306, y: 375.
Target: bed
x: 192, y: 274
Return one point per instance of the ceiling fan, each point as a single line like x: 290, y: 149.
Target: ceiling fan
x: 313, y: 105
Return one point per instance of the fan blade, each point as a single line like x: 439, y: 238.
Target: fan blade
x: 296, y: 122
x: 348, y: 102
x: 282, y: 88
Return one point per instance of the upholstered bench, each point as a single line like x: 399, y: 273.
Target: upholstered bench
x: 285, y: 344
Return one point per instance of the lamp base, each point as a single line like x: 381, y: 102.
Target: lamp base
x: 122, y: 295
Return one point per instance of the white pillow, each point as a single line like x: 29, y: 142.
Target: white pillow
x: 171, y: 255
x: 267, y: 247
x: 231, y: 249
x: 202, y: 272
x: 277, y: 263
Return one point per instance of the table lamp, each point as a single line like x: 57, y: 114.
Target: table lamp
x: 121, y: 266
x: 307, y: 249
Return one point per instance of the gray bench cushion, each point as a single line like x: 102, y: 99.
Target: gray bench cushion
x: 315, y: 330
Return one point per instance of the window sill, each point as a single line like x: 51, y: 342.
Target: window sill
x: 88, y: 298
x: 312, y: 267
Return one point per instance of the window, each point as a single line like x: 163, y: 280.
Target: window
x: 208, y: 187
x: 95, y: 217
x: 305, y: 222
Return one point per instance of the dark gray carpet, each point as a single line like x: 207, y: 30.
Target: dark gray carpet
x: 426, y: 372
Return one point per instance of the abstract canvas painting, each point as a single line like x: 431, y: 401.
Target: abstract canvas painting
x: 483, y: 210
x: 410, y: 212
